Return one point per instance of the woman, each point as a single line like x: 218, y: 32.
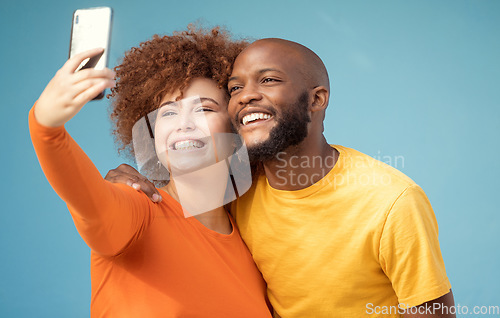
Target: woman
x: 147, y: 259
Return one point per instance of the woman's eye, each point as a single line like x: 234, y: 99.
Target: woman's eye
x: 205, y: 109
x: 168, y: 113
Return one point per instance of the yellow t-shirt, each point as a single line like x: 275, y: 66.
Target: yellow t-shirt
x: 363, y: 236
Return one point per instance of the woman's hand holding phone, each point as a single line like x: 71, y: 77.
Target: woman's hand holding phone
x: 69, y: 91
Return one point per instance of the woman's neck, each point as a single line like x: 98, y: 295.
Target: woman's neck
x: 201, y: 195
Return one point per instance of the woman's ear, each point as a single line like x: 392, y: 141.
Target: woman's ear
x: 320, y: 98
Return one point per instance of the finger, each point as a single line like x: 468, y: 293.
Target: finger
x: 72, y: 64
x: 123, y: 170
x: 126, y: 173
x: 148, y: 188
x: 84, y: 85
x: 92, y: 73
x: 135, y: 180
x: 113, y: 177
x: 119, y: 176
x: 87, y: 95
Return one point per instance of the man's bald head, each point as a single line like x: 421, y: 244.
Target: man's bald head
x: 279, y: 94
x: 308, y: 63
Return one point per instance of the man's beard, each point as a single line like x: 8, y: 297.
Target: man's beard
x: 290, y: 130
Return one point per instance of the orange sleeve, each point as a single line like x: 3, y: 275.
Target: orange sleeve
x: 108, y: 216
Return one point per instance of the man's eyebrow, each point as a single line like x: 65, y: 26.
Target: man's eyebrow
x: 269, y: 70
x: 264, y: 70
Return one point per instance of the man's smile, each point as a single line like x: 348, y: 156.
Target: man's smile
x: 250, y: 116
x: 254, y: 117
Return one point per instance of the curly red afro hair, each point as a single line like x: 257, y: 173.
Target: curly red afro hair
x: 164, y: 64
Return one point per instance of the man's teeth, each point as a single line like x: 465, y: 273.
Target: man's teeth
x: 188, y: 144
x: 254, y: 116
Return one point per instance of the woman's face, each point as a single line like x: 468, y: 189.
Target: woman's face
x: 194, y: 132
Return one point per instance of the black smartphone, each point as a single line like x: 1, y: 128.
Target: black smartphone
x: 91, y: 28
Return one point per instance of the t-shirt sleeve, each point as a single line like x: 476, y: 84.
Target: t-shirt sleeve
x: 108, y: 216
x: 409, y: 250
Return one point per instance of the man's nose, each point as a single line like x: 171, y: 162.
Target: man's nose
x: 249, y: 94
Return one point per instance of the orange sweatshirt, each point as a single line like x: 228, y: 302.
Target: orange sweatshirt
x: 147, y: 259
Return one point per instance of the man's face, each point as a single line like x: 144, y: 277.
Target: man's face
x: 269, y: 101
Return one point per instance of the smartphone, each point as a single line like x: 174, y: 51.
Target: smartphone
x: 91, y: 28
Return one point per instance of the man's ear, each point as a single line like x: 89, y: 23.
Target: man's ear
x: 320, y: 97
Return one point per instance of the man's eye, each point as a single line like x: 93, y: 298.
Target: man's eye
x: 267, y: 80
x: 232, y: 89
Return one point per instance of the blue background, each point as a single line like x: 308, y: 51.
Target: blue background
x: 417, y: 79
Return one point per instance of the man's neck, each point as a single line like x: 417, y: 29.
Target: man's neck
x: 301, y: 166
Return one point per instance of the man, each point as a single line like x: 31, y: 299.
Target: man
x: 334, y: 232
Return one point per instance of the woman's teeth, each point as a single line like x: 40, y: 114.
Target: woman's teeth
x: 188, y: 144
x: 253, y: 117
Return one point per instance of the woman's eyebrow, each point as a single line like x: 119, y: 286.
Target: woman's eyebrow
x: 168, y: 103
x: 203, y: 99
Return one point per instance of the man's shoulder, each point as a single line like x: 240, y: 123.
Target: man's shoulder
x: 372, y: 171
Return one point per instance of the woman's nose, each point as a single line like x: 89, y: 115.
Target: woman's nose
x: 185, y: 122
